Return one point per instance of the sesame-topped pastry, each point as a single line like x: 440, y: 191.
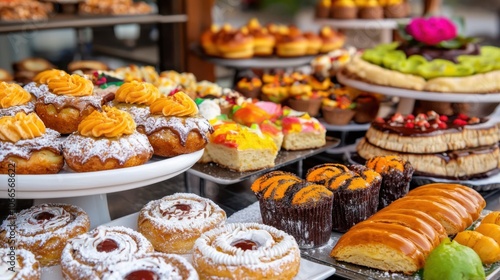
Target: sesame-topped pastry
x: 27, y: 143
x: 106, y: 140
x: 13, y: 99
x: 302, y: 209
x: 174, y: 222
x: 246, y: 251
x: 135, y: 98
x: 175, y: 126
x: 63, y: 100
x: 396, y: 176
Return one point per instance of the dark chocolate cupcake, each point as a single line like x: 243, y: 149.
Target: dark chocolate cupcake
x: 374, y: 179
x: 396, y: 176
x: 299, y: 208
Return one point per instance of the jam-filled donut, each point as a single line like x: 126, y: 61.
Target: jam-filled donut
x: 106, y: 140
x: 152, y: 266
x: 246, y: 251
x: 174, y: 126
x: 63, y: 100
x: 44, y: 229
x: 174, y: 222
x: 18, y: 264
x: 14, y: 99
x: 26, y: 143
x: 89, y: 255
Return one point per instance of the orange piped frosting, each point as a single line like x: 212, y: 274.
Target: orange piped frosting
x: 12, y: 95
x: 311, y: 193
x: 243, y: 138
x: 262, y: 183
x: 347, y: 181
x: 382, y: 164
x: 371, y: 175
x: 46, y: 76
x: 136, y: 92
x: 178, y: 104
x: 21, y: 127
x: 110, y: 123
x: 321, y: 173
x: 72, y: 85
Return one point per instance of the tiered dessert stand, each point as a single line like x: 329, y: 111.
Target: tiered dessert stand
x: 88, y: 190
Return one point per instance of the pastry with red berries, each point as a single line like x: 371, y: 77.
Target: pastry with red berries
x: 455, y: 147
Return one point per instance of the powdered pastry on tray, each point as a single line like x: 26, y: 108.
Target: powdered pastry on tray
x: 44, y: 230
x: 174, y: 126
x: 18, y: 264
x: 27, y: 143
x: 299, y: 208
x: 63, y: 100
x: 106, y: 140
x: 246, y: 251
x: 152, y: 266
x: 174, y: 222
x: 13, y: 99
x: 89, y: 255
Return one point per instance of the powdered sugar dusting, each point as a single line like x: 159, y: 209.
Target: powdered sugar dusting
x: 250, y: 214
x: 22, y: 270
x: 275, y: 247
x: 24, y: 148
x: 11, y: 111
x: 121, y: 149
x: 182, y: 125
x: 164, y: 214
x: 82, y: 256
x: 165, y: 266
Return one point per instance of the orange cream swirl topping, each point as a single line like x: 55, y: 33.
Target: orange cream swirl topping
x: 73, y: 85
x: 111, y: 122
x: 135, y: 92
x: 178, y: 105
x: 12, y: 95
x: 49, y: 75
x: 21, y: 127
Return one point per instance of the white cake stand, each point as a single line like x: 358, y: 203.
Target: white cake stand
x: 88, y: 190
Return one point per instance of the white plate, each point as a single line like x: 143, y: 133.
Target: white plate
x: 308, y: 270
x: 420, y: 95
x: 70, y: 184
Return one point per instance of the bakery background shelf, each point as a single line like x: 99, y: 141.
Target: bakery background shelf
x: 386, y: 23
x: 82, y: 21
x: 214, y: 173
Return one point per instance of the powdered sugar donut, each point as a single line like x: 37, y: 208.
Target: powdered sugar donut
x: 173, y: 223
x: 89, y: 255
x: 246, y: 251
x: 44, y: 230
x: 18, y: 264
x: 151, y: 267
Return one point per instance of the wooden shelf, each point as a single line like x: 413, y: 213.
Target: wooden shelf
x: 81, y: 21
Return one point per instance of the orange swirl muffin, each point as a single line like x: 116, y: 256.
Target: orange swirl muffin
x: 299, y: 208
x: 173, y: 223
x: 106, y: 140
x: 63, y: 100
x: 396, y: 176
x: 27, y: 143
x: 44, y: 230
x: 174, y: 126
x: 13, y: 99
x: 355, y: 196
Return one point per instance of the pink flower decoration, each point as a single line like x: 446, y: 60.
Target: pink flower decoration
x: 432, y: 31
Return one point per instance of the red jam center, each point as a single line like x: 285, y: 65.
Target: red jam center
x: 245, y: 245
x: 142, y: 275
x: 174, y: 208
x: 107, y: 245
x: 41, y: 217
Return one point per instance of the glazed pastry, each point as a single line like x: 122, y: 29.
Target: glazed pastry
x: 235, y: 43
x: 263, y: 41
x: 299, y: 208
x: 314, y: 43
x: 152, y: 266
x: 174, y: 126
x: 27, y: 143
x: 13, y: 99
x: 18, y: 264
x: 44, y: 230
x: 207, y: 40
x: 331, y: 39
x: 89, y: 255
x: 106, y: 140
x: 238, y: 251
x: 63, y: 100
x: 290, y: 42
x: 174, y: 222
